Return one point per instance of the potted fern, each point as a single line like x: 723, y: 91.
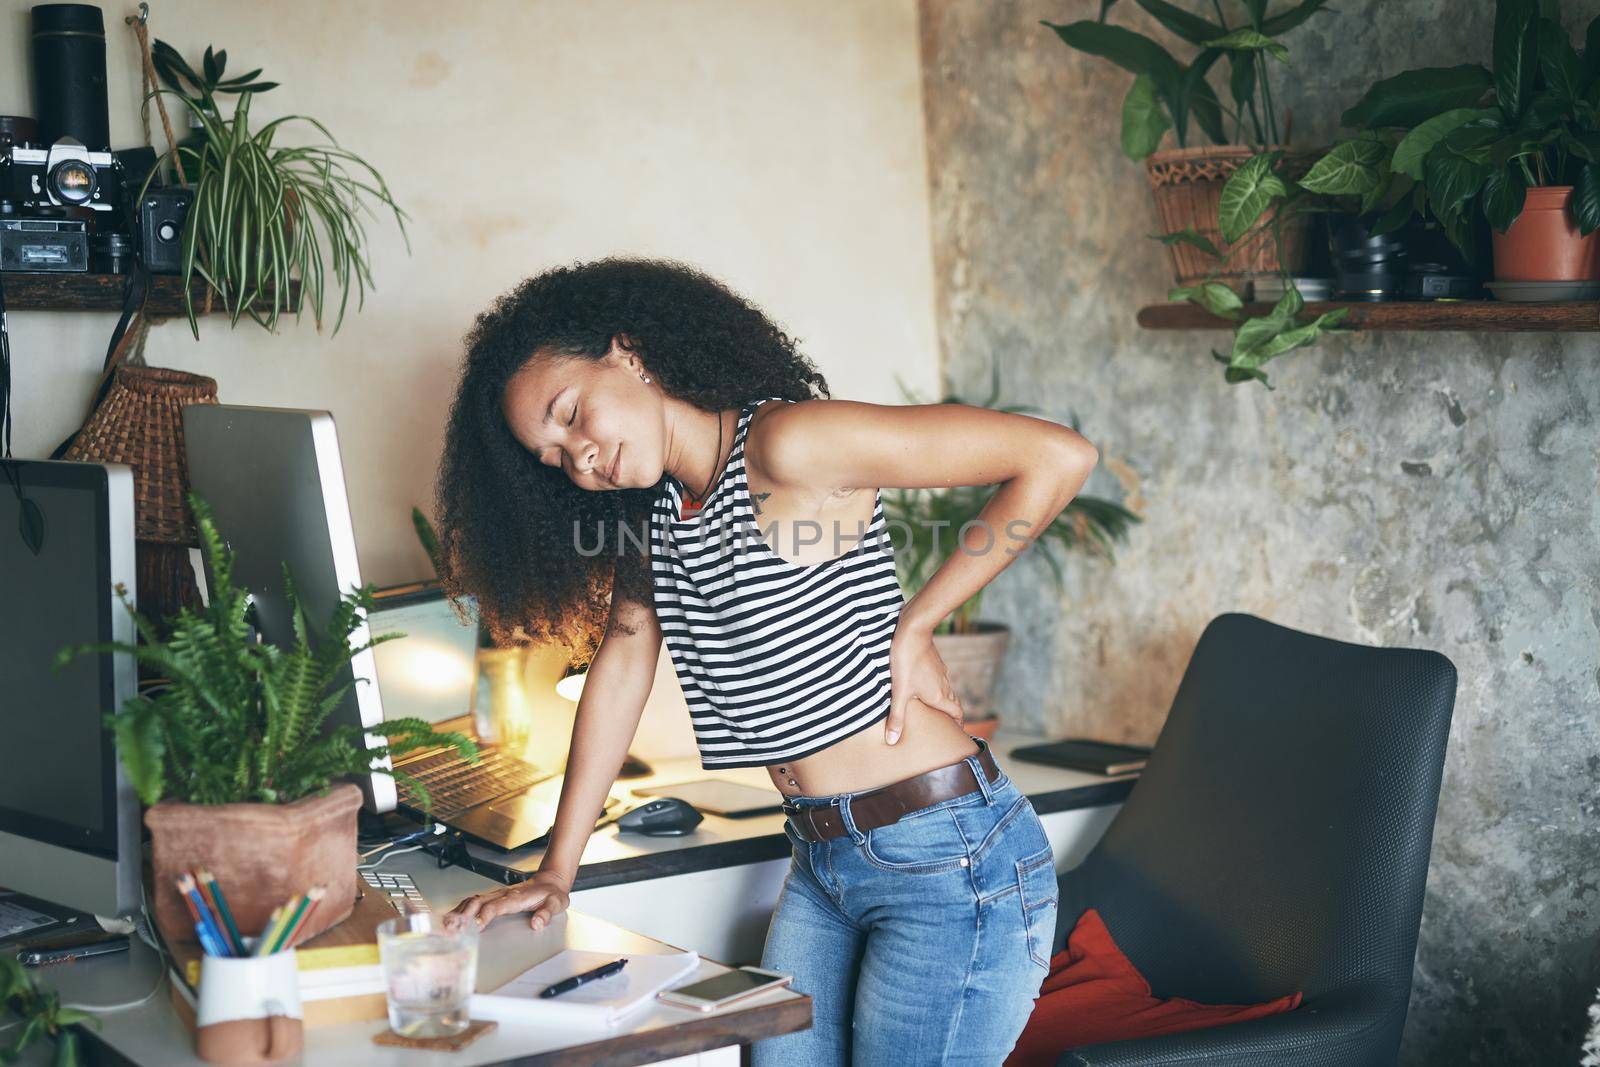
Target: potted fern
x: 232, y: 754
x: 972, y: 649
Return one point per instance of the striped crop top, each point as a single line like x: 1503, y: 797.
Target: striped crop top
x: 777, y: 660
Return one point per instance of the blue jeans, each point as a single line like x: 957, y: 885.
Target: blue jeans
x: 921, y: 942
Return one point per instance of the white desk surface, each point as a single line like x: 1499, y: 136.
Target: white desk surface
x: 152, y: 1033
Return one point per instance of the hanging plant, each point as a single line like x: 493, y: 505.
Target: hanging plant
x: 269, y: 222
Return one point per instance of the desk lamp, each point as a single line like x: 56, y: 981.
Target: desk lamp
x: 570, y: 687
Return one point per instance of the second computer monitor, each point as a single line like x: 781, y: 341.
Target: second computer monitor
x: 275, y: 484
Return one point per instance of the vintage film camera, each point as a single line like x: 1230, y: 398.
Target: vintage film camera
x: 35, y: 179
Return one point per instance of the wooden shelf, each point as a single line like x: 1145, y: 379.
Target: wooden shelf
x: 1474, y: 316
x: 50, y: 291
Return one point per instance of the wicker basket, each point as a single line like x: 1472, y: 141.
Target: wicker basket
x: 1187, y: 185
x: 140, y: 424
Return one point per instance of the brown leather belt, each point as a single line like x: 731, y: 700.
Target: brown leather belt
x: 887, y: 804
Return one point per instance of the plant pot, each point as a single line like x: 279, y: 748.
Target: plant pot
x: 1543, y: 243
x: 1187, y: 186
x: 260, y: 854
x: 973, y: 661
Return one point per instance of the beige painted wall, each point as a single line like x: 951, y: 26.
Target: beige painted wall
x: 777, y: 145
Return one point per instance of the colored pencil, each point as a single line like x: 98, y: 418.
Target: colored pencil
x: 194, y: 912
x: 265, y: 937
x: 305, y: 916
x: 221, y: 904
x: 293, y: 920
x: 208, y: 942
x: 191, y: 892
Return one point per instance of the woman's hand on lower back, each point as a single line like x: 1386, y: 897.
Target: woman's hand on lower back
x: 917, y: 670
x: 544, y: 894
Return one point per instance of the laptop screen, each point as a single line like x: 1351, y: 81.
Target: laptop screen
x: 428, y: 674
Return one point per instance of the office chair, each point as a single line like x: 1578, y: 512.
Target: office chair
x: 1277, y: 841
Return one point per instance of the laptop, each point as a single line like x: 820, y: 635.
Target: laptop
x: 501, y: 801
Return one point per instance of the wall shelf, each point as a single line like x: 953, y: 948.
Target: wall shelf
x: 49, y: 291
x: 1474, y: 316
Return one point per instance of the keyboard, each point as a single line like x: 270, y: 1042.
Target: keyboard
x: 455, y: 785
x: 402, y: 892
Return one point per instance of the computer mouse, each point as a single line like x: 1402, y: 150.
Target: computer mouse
x: 662, y: 817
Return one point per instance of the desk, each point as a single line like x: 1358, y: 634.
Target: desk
x: 151, y: 1035
x: 714, y: 889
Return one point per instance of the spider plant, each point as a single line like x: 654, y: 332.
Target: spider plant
x: 269, y: 222
x: 934, y: 518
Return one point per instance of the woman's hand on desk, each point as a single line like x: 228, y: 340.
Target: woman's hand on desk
x: 544, y: 894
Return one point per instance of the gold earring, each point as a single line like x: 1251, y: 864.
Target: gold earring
x: 645, y: 378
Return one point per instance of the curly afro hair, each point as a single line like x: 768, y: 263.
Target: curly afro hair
x: 505, y: 520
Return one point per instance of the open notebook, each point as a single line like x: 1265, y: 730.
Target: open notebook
x: 600, y: 1002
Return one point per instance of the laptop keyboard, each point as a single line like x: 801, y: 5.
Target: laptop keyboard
x: 454, y: 785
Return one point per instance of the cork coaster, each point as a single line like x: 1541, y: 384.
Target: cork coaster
x: 456, y: 1043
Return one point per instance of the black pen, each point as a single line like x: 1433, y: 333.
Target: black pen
x: 567, y: 985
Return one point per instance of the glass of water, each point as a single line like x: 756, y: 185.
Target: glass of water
x: 429, y: 973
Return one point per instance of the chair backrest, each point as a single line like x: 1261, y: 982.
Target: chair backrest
x: 1279, y: 838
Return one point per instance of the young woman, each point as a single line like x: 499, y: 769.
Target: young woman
x: 598, y: 403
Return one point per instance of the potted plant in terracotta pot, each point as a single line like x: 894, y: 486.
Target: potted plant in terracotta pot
x: 233, y: 758
x: 1187, y: 181
x: 1516, y: 147
x: 932, y: 521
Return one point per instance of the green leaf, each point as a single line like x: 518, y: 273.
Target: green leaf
x: 209, y: 61
x: 1413, y: 149
x: 1105, y: 7
x: 1394, y: 218
x: 1189, y: 236
x: 1131, y: 51
x: 1215, y: 297
x: 1242, y: 82
x: 1263, y: 328
x: 1417, y: 95
x: 1144, y: 119
x: 1516, y: 54
x: 1202, y: 98
x: 1503, y: 193
x: 1247, y: 193
x: 1453, y: 178
x: 1586, y: 199
x: 1589, y: 68
x: 141, y: 745
x: 1285, y: 21
x: 1247, y: 40
x: 1191, y: 28
x: 1557, y: 60
x: 1352, y: 168
x: 1257, y: 10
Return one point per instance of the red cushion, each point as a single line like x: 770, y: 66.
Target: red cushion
x: 1093, y: 994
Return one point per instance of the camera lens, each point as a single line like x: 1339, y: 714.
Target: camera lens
x: 72, y: 181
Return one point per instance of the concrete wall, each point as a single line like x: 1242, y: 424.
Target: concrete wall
x: 777, y: 146
x: 1294, y: 505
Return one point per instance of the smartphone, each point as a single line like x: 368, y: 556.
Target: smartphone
x: 58, y: 948
x: 724, y: 989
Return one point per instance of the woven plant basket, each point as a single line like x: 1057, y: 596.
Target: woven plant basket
x: 1187, y: 185
x: 140, y: 424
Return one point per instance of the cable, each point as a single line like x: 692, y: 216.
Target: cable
x: 386, y: 858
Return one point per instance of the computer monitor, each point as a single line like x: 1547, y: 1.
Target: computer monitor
x: 69, y: 819
x: 275, y: 485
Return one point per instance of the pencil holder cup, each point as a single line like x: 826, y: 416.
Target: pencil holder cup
x: 249, y: 1009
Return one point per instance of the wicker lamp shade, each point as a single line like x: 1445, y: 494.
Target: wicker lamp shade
x: 140, y: 424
